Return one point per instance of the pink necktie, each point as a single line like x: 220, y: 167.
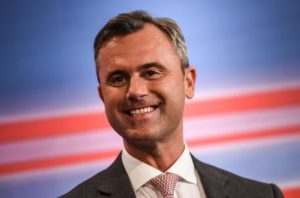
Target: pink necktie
x: 165, y: 184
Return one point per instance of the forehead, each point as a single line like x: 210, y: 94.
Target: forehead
x: 147, y: 42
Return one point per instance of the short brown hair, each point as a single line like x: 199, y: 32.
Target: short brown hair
x: 127, y: 23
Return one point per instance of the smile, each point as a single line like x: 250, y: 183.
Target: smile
x: 141, y: 111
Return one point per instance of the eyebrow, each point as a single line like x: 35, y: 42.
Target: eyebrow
x: 152, y: 64
x: 141, y: 67
x: 115, y: 72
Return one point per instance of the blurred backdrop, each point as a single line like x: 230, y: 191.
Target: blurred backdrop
x: 245, y: 117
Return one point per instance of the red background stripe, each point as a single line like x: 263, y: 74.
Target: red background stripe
x: 94, y: 121
x: 110, y: 154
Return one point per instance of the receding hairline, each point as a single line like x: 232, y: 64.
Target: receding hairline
x: 167, y: 38
x: 131, y: 22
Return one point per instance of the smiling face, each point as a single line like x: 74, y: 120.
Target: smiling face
x: 143, y: 87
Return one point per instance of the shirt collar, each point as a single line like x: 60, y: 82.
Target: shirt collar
x: 184, y: 167
x: 140, y: 173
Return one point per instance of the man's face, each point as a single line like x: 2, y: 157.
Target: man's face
x: 143, y: 87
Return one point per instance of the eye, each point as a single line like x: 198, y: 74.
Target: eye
x: 116, y: 80
x: 151, y: 74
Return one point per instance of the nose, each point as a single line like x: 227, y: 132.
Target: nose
x: 137, y: 88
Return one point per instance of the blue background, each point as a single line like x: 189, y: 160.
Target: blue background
x: 47, y: 58
x: 47, y: 65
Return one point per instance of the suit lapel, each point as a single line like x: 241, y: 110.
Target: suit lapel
x: 116, y: 182
x: 116, y: 188
x: 213, y: 182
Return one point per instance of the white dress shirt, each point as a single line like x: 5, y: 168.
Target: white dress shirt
x: 189, y: 184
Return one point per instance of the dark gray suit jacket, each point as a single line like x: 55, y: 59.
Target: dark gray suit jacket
x: 217, y: 183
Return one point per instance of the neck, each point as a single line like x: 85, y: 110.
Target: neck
x: 158, y: 155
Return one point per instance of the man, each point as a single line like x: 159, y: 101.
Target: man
x: 144, y: 78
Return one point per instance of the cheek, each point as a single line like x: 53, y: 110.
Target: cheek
x: 111, y: 96
x: 170, y: 89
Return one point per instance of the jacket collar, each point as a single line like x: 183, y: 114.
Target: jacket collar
x: 213, y: 181
x: 115, y: 182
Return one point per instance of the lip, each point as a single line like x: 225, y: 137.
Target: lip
x: 129, y: 106
x: 144, y: 110
x: 144, y: 115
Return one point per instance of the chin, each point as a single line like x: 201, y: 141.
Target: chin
x: 141, y: 143
x: 143, y: 137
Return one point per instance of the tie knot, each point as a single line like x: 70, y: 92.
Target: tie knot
x: 165, y: 184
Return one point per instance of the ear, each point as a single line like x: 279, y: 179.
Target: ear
x: 100, y: 92
x: 190, y: 80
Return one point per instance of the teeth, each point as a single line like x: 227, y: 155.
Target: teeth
x: 142, y: 110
